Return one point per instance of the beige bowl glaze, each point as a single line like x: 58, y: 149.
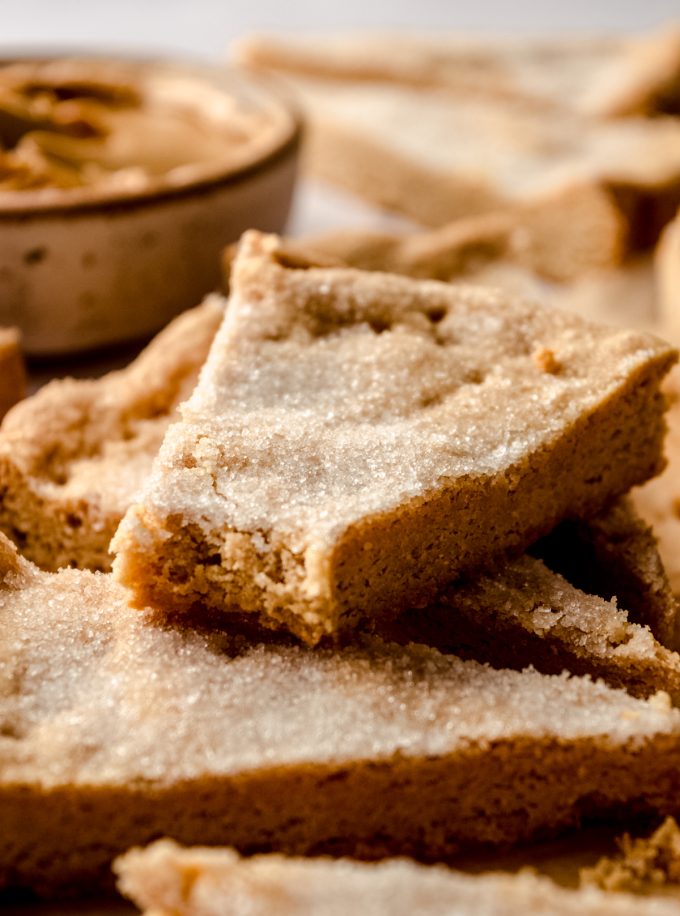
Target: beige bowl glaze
x: 90, y: 267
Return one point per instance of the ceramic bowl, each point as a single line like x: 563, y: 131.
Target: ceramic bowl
x: 84, y: 268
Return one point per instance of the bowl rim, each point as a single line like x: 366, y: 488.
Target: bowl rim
x: 115, y: 200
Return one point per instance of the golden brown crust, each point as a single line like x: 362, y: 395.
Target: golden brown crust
x: 72, y: 456
x: 431, y: 810
x: 12, y: 371
x: 173, y: 555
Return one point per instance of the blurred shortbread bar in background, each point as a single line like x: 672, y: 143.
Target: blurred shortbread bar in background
x: 436, y: 156
x: 605, y: 77
x: 73, y: 455
x: 167, y: 879
x: 119, y: 728
x: 448, y: 426
x: 12, y: 371
x: 527, y: 237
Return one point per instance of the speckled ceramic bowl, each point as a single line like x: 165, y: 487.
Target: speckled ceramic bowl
x: 88, y: 267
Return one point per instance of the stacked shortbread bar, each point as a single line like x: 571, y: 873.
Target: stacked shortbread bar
x: 362, y: 452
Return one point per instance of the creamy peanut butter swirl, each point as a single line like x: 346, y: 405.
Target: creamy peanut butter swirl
x: 71, y: 124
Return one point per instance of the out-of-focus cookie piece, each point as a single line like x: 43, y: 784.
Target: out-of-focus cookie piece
x: 605, y: 76
x: 658, y: 501
x: 436, y: 156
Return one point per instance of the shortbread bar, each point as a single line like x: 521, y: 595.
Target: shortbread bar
x: 436, y: 156
x: 73, y: 455
x: 117, y: 728
x: 605, y: 76
x: 480, y: 249
x: 358, y: 440
x: 12, y: 372
x: 473, y: 248
x: 616, y: 554
x: 525, y: 614
x: 167, y: 880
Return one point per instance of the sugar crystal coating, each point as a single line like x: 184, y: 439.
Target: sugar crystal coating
x: 92, y: 692
x: 393, y: 412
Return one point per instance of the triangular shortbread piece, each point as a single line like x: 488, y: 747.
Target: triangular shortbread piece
x: 167, y: 879
x: 116, y: 728
x: 357, y: 440
x: 616, y: 554
x: 436, y: 157
x: 594, y: 76
x: 525, y: 614
x: 12, y: 372
x: 73, y: 455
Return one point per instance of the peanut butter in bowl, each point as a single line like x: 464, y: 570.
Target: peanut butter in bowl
x: 86, y: 124
x: 120, y: 183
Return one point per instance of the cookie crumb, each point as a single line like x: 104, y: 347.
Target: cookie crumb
x: 643, y: 863
x: 547, y: 361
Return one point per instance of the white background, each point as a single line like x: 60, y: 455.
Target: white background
x: 205, y: 27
